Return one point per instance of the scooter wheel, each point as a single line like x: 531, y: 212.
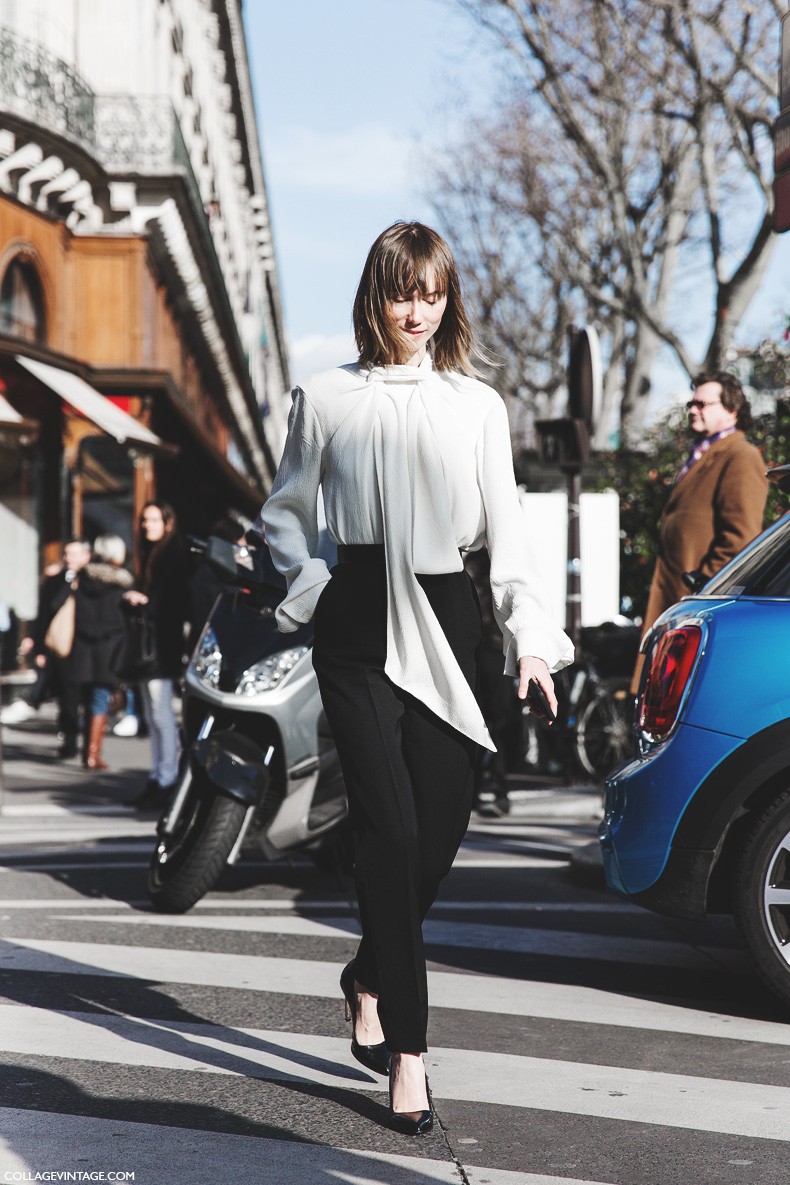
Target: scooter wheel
x: 187, y: 864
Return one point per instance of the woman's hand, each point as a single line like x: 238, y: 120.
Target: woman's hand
x: 535, y: 668
x: 135, y: 598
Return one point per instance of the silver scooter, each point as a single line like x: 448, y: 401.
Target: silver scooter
x: 259, y: 767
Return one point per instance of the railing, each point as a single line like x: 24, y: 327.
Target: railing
x: 123, y: 132
x: 41, y: 87
x: 136, y: 133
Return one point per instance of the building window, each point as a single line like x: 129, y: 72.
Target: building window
x: 22, y: 303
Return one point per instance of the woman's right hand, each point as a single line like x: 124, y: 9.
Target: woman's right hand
x: 135, y: 598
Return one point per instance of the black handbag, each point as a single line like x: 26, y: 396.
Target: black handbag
x: 138, y: 657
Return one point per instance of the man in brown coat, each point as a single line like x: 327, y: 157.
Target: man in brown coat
x: 717, y: 503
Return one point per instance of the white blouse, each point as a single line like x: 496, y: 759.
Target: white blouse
x: 420, y: 461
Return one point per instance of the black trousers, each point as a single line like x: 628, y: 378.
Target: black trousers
x: 409, y: 776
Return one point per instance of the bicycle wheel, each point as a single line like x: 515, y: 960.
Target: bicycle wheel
x: 603, y: 737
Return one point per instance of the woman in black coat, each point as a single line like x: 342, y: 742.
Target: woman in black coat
x: 98, y: 638
x: 162, y: 588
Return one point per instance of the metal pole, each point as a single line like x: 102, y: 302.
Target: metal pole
x: 573, y: 604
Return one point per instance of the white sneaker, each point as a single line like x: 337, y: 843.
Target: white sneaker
x: 127, y: 726
x: 16, y: 712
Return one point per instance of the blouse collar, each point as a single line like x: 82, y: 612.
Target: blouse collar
x: 402, y: 374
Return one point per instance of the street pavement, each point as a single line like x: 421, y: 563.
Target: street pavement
x: 574, y: 1038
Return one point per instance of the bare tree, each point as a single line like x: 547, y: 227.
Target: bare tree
x: 627, y: 179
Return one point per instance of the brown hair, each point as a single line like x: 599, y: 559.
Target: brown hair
x: 150, y: 552
x: 398, y: 262
x: 733, y: 396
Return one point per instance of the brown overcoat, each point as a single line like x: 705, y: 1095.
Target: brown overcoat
x: 712, y: 513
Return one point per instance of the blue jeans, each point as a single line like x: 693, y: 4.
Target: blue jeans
x: 157, y: 697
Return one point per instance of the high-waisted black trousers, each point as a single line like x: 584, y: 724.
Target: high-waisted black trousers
x: 409, y: 776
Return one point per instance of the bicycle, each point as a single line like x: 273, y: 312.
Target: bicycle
x: 593, y: 732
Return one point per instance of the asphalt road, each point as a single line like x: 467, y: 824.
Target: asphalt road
x: 573, y: 1038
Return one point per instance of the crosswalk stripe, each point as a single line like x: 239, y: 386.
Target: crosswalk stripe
x: 516, y: 939
x: 44, y: 1138
x: 303, y: 904
x: 672, y: 1100
x: 304, y: 977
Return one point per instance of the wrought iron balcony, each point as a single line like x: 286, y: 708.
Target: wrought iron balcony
x: 124, y: 133
x: 42, y: 88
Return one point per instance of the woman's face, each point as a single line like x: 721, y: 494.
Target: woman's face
x: 415, y: 317
x: 153, y: 524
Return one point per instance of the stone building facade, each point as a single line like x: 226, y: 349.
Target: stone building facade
x: 142, y: 350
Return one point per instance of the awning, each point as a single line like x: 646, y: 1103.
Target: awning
x: 7, y: 413
x: 90, y: 403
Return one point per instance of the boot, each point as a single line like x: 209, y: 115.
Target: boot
x: 96, y: 730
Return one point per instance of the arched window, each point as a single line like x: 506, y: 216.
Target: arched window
x: 22, y: 303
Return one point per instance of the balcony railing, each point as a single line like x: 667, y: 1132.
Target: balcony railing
x: 129, y: 133
x: 42, y: 88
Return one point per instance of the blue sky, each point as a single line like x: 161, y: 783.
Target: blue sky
x: 348, y: 94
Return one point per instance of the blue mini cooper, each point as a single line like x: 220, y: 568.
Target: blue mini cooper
x: 699, y: 821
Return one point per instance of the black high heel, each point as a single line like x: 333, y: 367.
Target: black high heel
x: 411, y: 1123
x: 372, y: 1057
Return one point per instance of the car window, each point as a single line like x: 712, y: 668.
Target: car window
x: 761, y: 570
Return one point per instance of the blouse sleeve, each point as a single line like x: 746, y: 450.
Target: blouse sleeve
x: 515, y: 584
x: 290, y: 516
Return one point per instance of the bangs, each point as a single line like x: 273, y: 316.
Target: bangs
x: 407, y: 263
x: 410, y: 256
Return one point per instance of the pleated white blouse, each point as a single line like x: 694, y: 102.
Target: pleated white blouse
x: 420, y: 461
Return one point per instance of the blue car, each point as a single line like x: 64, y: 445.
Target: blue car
x: 699, y: 821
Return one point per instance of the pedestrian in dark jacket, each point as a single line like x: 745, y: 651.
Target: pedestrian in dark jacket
x: 52, y: 672
x: 162, y: 588
x: 98, y: 639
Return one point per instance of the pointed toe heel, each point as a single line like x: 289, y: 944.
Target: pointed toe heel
x: 411, y: 1123
x: 372, y: 1057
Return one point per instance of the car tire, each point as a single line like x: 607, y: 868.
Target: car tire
x: 762, y: 895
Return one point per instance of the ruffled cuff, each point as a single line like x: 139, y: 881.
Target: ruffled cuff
x: 552, y: 645
x: 303, y: 593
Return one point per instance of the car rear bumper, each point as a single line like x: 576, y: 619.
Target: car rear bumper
x: 644, y: 802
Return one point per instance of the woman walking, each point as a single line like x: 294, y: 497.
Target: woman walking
x: 162, y: 588
x: 412, y: 454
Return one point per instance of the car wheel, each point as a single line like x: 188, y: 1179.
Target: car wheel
x: 762, y: 895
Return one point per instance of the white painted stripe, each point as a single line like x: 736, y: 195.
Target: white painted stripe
x: 45, y: 810
x: 79, y: 833
x: 301, y: 905
x: 305, y: 977
x: 509, y: 861
x: 71, y: 865
x: 514, y: 939
x: 637, y: 1096
x: 35, y: 1139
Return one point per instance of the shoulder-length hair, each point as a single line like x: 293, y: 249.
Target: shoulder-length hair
x: 399, y: 262
x: 150, y: 552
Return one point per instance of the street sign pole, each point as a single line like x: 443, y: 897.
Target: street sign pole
x: 566, y: 443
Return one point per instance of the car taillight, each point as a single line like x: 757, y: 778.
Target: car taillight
x: 667, y: 678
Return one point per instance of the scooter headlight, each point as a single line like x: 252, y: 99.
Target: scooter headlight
x: 267, y: 675
x: 208, y: 658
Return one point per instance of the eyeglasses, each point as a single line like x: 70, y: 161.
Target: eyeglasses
x: 700, y: 403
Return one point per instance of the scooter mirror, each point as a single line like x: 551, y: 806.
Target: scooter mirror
x: 221, y: 557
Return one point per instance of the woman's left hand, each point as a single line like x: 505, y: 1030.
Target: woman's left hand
x: 535, y: 668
